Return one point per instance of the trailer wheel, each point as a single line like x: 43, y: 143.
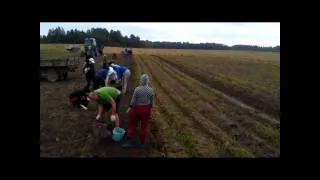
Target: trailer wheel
x: 52, y: 75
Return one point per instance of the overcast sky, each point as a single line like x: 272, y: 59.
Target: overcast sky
x: 261, y: 34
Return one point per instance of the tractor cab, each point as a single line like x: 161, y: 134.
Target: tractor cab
x: 90, y: 42
x: 90, y: 46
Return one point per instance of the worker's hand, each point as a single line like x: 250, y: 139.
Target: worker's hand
x: 115, y: 115
x: 98, y: 117
x: 128, y: 110
x: 113, y: 118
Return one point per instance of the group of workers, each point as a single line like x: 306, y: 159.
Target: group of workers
x: 109, y: 83
x: 108, y: 73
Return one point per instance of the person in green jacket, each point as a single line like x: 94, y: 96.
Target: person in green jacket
x: 108, y: 99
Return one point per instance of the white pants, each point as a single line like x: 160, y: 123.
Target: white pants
x: 125, y: 80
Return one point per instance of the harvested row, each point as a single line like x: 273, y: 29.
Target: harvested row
x: 162, y: 133
x: 180, y: 141
x: 223, y: 98
x: 168, y: 144
x: 265, y: 129
x: 249, y: 96
x: 255, y: 144
x: 184, y: 119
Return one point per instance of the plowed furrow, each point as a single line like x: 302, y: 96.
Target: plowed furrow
x: 233, y: 129
x: 197, y: 121
x: 264, y: 131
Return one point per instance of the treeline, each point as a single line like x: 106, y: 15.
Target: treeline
x: 115, y: 38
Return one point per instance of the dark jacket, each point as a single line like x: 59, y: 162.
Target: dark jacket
x: 101, y: 74
x: 89, y: 70
x: 81, y: 97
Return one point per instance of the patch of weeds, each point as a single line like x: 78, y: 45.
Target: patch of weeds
x: 187, y: 140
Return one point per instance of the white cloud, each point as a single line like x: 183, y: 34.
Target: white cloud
x: 262, y: 34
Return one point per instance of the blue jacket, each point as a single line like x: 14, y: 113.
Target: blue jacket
x: 119, y: 69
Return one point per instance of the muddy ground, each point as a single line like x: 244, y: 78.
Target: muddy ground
x: 67, y: 132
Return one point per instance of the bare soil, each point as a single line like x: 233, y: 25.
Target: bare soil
x: 66, y: 131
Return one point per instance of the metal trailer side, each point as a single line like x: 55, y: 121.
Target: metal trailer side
x: 55, y: 69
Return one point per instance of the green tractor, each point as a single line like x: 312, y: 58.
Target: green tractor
x: 91, y: 48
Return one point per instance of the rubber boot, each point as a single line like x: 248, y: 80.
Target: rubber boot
x: 128, y: 144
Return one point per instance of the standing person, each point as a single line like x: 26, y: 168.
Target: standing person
x: 114, y: 57
x: 123, y: 73
x: 103, y: 76
x: 89, y: 71
x: 104, y: 62
x: 140, y: 110
x: 86, y: 60
x: 130, y: 52
x: 107, y: 98
x: 113, y: 60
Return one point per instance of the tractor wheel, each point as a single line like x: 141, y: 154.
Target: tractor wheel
x: 52, y: 75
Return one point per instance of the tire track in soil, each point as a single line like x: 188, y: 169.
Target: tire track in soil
x: 255, y: 144
x: 198, y: 122
x: 248, y: 122
x: 229, y: 98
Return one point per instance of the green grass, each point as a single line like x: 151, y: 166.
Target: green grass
x: 49, y: 51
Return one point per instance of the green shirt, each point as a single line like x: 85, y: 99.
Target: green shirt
x: 106, y: 94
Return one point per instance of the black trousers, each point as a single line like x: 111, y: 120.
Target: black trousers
x: 89, y: 79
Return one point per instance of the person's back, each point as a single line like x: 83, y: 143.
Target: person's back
x: 105, y: 66
x: 102, y: 73
x: 141, y: 104
x: 143, y: 94
x: 119, y: 69
x: 114, y: 56
x: 105, y: 93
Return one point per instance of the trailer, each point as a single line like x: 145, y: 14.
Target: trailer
x: 55, y: 69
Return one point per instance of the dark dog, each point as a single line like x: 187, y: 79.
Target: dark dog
x: 79, y: 97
